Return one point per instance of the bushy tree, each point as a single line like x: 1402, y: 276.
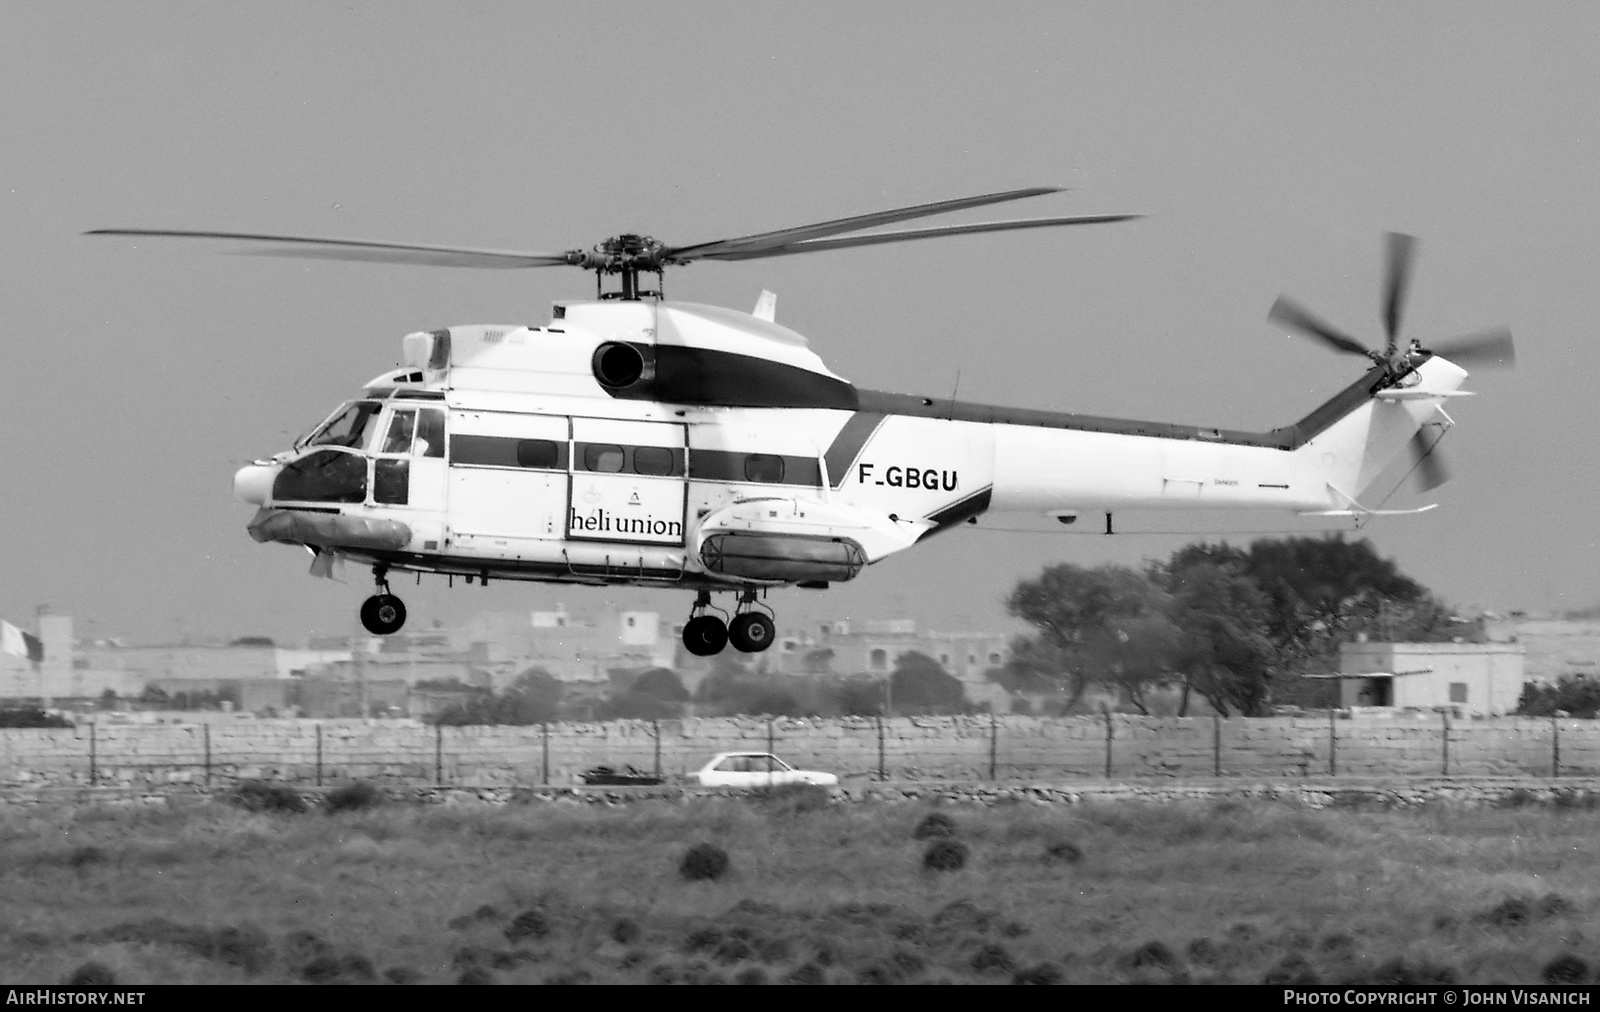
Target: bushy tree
x: 1223, y: 649
x: 1093, y: 626
x: 534, y: 697
x: 661, y: 683
x: 920, y: 684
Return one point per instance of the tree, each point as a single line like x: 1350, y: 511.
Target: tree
x: 1223, y: 650
x: 859, y: 697
x: 1101, y: 624
x: 920, y: 684
x: 661, y: 683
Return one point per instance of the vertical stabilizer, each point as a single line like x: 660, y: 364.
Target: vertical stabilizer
x: 1353, y: 450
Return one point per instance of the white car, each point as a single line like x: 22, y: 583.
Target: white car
x: 757, y: 769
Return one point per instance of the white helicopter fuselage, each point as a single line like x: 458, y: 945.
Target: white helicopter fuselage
x: 672, y: 443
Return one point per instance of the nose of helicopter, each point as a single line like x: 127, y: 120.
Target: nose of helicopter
x: 253, y: 482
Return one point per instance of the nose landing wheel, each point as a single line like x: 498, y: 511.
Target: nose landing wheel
x: 382, y: 614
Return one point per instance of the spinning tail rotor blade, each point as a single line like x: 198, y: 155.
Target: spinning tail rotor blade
x: 1293, y: 316
x: 1431, y: 471
x: 1485, y: 348
x: 359, y: 249
x: 1397, y: 279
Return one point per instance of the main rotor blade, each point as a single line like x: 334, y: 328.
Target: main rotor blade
x: 1396, y: 280
x: 359, y: 249
x: 1431, y: 471
x: 873, y: 239
x: 789, y: 236
x: 1489, y: 348
x: 1292, y: 315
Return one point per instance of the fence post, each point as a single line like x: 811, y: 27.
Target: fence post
x: 207, y: 729
x: 881, y: 774
x: 438, y: 755
x: 1333, y: 745
x: 1109, y: 735
x: 1445, y: 714
x: 994, y: 742
x: 656, y: 726
x: 1216, y: 744
x: 1555, y: 747
x: 544, y: 762
x: 94, y: 774
x: 769, y: 736
x: 319, y: 755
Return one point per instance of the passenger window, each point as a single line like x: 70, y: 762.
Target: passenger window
x: 538, y: 453
x: 763, y: 467
x: 652, y: 460
x: 430, y: 433
x: 401, y: 425
x: 603, y: 457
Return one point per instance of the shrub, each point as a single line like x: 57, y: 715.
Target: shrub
x: 703, y: 862
x: 1063, y: 852
x: 625, y: 931
x: 1043, y: 973
x: 528, y: 923
x: 91, y: 974
x: 355, y: 797
x: 945, y: 854
x: 1565, y: 969
x: 991, y: 957
x: 262, y: 796
x: 934, y: 825
x: 808, y: 973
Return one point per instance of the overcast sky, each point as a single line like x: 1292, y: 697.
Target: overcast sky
x: 1271, y: 145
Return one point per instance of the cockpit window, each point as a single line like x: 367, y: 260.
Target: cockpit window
x: 350, y: 426
x: 430, y: 433
x: 401, y: 425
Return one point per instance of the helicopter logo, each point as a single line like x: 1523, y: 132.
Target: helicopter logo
x: 640, y: 441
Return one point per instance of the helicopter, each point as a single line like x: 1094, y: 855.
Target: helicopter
x: 636, y: 440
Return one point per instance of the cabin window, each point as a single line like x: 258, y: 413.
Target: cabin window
x: 507, y: 451
x: 654, y: 460
x: 538, y: 453
x: 604, y: 457
x: 764, y: 467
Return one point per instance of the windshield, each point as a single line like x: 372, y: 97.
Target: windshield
x: 350, y: 426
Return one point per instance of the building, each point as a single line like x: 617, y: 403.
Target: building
x: 1468, y: 679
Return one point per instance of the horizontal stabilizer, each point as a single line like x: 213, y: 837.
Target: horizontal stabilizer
x: 1413, y: 394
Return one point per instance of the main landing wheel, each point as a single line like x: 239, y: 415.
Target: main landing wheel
x: 705, y: 635
x: 752, y: 632
x: 383, y: 614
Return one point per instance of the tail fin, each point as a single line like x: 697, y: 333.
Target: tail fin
x: 1348, y: 442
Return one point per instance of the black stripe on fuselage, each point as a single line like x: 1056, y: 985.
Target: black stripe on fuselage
x: 875, y: 404
x: 961, y: 510
x: 849, y: 443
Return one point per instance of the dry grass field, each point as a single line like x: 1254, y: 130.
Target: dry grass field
x: 195, y: 891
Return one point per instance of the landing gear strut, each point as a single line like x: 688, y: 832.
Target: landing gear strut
x: 751, y: 631
x: 382, y: 613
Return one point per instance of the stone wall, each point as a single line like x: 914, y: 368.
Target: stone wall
x: 859, y: 750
